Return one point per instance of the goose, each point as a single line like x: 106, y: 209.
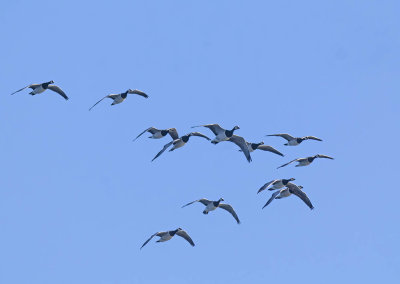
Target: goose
x: 40, y: 88
x: 180, y: 142
x: 220, y: 133
x: 306, y: 161
x: 294, y: 141
x: 166, y: 236
x: 119, y: 98
x: 160, y: 133
x: 260, y: 146
x: 212, y: 205
x: 290, y: 189
x: 276, y: 184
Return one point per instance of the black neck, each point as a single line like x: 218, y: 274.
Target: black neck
x: 229, y: 133
x: 216, y: 203
x: 45, y: 85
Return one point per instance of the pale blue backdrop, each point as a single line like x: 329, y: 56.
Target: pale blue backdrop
x: 78, y: 197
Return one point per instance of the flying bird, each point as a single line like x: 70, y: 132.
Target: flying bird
x: 294, y: 141
x: 289, y: 190
x: 119, y: 98
x: 166, y: 236
x: 260, y: 146
x: 220, y: 133
x: 40, y: 88
x: 160, y: 133
x: 180, y: 142
x: 212, y: 205
x: 275, y: 184
x: 305, y: 161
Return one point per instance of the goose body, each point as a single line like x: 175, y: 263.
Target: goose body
x: 305, y: 161
x: 220, y: 133
x: 294, y: 141
x: 290, y: 189
x: 212, y: 205
x: 275, y: 184
x: 119, y: 98
x: 220, y: 137
x: 178, y: 144
x: 166, y: 236
x: 40, y: 88
x: 160, y: 133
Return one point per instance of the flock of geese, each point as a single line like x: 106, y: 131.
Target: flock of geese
x: 282, y: 187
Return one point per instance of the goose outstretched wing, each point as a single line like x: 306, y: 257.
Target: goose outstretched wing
x: 270, y: 149
x: 265, y: 186
x: 109, y: 96
x: 152, y: 130
x: 32, y: 86
x: 238, y: 140
x: 58, y: 90
x: 311, y: 137
x: 198, y: 134
x: 159, y: 234
x: 294, y: 189
x: 215, y: 128
x: 163, y: 149
x: 283, y: 135
x: 273, y: 196
x: 324, y: 156
x: 186, y: 236
x: 173, y: 133
x: 202, y: 200
x: 137, y: 92
x: 229, y: 208
x: 288, y: 163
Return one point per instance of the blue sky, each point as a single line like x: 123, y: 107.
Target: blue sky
x: 78, y: 197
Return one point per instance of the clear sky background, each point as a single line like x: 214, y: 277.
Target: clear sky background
x: 78, y: 197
